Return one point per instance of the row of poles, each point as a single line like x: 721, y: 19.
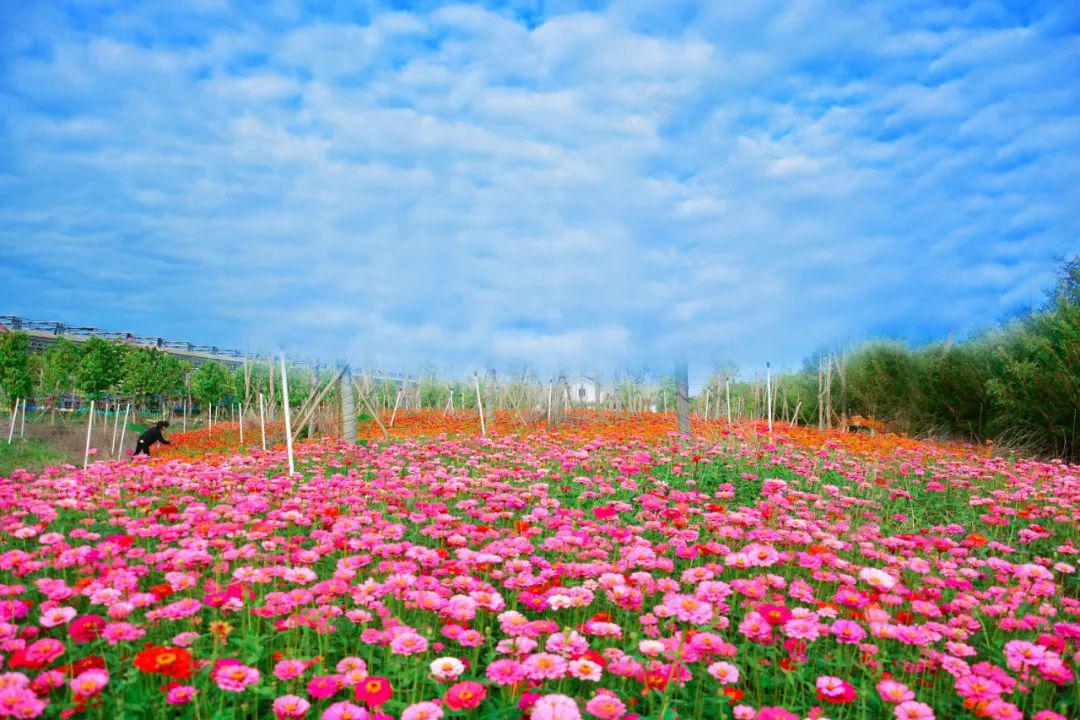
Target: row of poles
x: 20, y: 419
x: 288, y: 415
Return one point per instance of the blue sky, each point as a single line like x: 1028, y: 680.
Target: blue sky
x: 574, y: 185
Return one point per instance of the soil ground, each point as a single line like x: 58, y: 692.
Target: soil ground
x: 60, y: 439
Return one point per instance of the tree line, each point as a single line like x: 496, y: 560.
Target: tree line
x: 1017, y: 384
x: 100, y: 368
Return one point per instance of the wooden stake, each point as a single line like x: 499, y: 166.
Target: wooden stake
x: 288, y: 418
x: 727, y: 391
x: 262, y: 420
x: 768, y: 392
x: 480, y: 406
x: 14, y: 416
x: 89, y: 429
x: 397, y: 400
x: 116, y: 424
x: 123, y: 429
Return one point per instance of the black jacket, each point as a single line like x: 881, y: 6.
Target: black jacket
x: 151, y: 436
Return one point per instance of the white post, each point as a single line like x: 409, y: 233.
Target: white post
x: 397, y: 400
x: 727, y: 391
x: 288, y: 418
x: 262, y: 420
x: 210, y: 419
x: 480, y: 406
x: 89, y: 429
x: 14, y: 416
x: 184, y: 404
x: 123, y: 428
x: 22, y: 421
x: 241, y: 407
x: 115, y: 427
x: 768, y: 392
x: 707, y: 389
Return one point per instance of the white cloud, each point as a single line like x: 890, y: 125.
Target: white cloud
x: 740, y: 180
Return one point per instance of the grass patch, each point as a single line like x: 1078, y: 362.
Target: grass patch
x: 27, y: 453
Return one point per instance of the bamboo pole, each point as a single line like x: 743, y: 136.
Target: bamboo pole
x: 115, y: 427
x: 288, y: 418
x: 727, y: 392
x: 397, y: 400
x: 14, y: 416
x: 262, y: 420
x: 768, y: 393
x: 89, y: 429
x: 123, y: 428
x: 480, y: 406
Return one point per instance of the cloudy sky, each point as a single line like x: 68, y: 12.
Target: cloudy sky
x: 584, y: 185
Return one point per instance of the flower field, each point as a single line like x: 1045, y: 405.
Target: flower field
x: 608, y: 570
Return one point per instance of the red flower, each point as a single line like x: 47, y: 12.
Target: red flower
x: 733, y: 694
x: 86, y: 628
x: 465, y: 695
x: 604, y: 513
x: 374, y: 691
x: 173, y: 662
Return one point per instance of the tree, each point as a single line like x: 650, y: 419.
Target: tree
x: 61, y: 363
x: 171, y: 374
x: 140, y: 375
x: 100, y: 367
x: 211, y: 382
x: 15, y: 376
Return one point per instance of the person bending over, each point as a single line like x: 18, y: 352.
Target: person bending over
x: 151, y: 436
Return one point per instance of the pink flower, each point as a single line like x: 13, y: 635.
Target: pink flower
x: 181, y: 695
x: 605, y: 706
x: 408, y: 643
x: 911, y: 710
x: 322, y: 687
x: 90, y: 682
x: 775, y: 713
x: 544, y: 666
x: 422, y: 711
x: 505, y: 672
x: 345, y: 711
x: 894, y: 692
x: 724, y: 672
x: 235, y: 677
x: 289, y: 669
x: 289, y: 707
x: 847, y: 631
x: 555, y: 707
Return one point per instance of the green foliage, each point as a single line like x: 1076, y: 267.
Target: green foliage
x: 211, y: 382
x: 100, y: 368
x: 433, y: 392
x: 16, y: 379
x: 60, y: 364
x: 1019, y: 384
x: 148, y: 371
x: 28, y: 454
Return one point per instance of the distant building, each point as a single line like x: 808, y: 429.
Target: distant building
x: 585, y: 391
